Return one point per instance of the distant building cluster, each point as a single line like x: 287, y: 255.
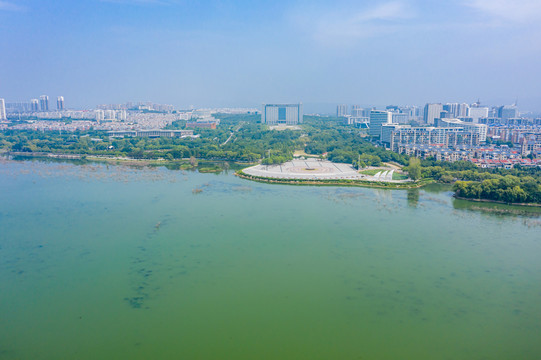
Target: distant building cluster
x: 202, y: 119
x: 145, y: 119
x: 34, y: 105
x: 484, y: 156
x: 146, y: 105
x: 360, y: 116
x: 451, y: 131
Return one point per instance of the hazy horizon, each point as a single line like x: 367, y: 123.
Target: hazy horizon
x: 237, y: 53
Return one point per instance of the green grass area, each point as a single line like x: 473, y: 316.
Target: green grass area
x: 399, y: 176
x: 372, y: 172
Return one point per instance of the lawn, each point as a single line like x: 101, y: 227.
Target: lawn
x: 399, y: 176
x: 372, y: 172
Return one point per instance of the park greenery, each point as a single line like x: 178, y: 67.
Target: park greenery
x: 238, y: 138
x: 242, y: 138
x: 517, y: 185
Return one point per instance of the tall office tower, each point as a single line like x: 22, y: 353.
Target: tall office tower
x: 446, y: 115
x: 377, y: 119
x: 399, y: 117
x: 3, y: 110
x: 452, y: 109
x: 462, y: 110
x: 282, y: 114
x: 34, y: 105
x: 60, y: 103
x: 508, y: 111
x: 432, y: 111
x: 411, y: 111
x: 341, y: 110
x: 44, y: 103
x: 476, y: 112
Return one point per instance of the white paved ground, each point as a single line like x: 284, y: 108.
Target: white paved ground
x: 316, y: 169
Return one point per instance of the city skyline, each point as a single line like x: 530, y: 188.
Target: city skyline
x: 213, y: 54
x: 455, y: 109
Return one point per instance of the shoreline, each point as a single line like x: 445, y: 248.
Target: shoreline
x: 241, y: 174
x: 497, y: 202
x: 118, y: 160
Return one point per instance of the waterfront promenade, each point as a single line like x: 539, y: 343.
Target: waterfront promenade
x: 315, y: 169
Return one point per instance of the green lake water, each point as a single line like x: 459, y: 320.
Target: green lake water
x: 113, y: 262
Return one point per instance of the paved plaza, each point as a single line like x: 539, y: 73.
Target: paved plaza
x: 317, y: 170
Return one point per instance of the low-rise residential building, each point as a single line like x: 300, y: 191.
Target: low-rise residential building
x: 151, y: 133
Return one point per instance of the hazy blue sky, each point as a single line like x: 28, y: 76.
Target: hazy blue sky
x: 243, y: 53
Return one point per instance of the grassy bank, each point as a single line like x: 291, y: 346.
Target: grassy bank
x: 183, y: 164
x: 335, y: 182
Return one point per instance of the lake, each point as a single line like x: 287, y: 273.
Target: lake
x: 115, y: 262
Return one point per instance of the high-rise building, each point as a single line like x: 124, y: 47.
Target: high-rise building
x: 341, y: 110
x: 121, y: 115
x: 451, y: 109
x: 507, y: 112
x: 3, y: 110
x: 60, y: 103
x: 432, y: 111
x: 34, y: 105
x: 377, y: 119
x: 358, y: 111
x: 44, y: 103
x: 18, y: 107
x: 456, y: 110
x: 477, y: 112
x: 387, y: 130
x: 400, y: 118
x: 282, y: 114
x: 462, y: 110
x: 99, y: 115
x: 110, y: 115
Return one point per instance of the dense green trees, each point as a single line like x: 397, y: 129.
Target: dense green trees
x: 509, y: 189
x: 414, y: 168
x: 344, y: 144
x: 250, y: 141
x: 517, y: 185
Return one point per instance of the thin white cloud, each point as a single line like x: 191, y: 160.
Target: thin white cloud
x: 338, y: 28
x: 142, y: 2
x: 511, y: 10
x: 388, y: 11
x: 9, y: 6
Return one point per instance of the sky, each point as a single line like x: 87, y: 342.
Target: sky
x: 245, y: 53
